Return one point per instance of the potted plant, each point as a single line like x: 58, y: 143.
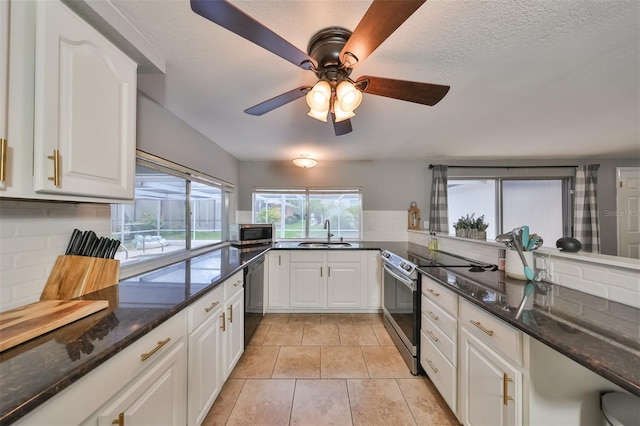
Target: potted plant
x: 481, y: 226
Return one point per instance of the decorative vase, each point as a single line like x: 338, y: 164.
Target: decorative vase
x: 482, y: 235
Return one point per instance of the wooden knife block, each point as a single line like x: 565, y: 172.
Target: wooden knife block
x: 74, y: 276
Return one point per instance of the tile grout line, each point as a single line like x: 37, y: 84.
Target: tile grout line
x: 406, y: 401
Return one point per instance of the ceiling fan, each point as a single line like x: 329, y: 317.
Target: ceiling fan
x: 332, y: 55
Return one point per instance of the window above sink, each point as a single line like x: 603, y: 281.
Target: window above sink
x: 301, y: 213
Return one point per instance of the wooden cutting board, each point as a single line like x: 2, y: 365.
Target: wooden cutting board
x: 30, y: 321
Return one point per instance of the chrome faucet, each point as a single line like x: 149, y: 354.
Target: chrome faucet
x: 327, y: 226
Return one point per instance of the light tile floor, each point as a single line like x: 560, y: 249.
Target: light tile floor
x: 325, y: 369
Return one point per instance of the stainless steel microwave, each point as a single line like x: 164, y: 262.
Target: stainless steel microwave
x: 251, y: 233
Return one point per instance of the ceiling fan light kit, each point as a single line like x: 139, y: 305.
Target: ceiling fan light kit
x: 305, y: 162
x: 333, y: 53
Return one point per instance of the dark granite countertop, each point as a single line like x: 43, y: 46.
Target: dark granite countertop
x: 600, y: 334
x: 38, y: 369
x: 608, y: 346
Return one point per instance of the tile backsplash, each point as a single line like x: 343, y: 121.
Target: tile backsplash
x: 32, y: 235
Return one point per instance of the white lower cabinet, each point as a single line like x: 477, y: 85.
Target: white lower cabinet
x: 492, y: 365
x: 277, y: 279
x: 233, y: 331
x: 331, y: 279
x: 205, y: 369
x: 155, y: 398
x: 490, y: 386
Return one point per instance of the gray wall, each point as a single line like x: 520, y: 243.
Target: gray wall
x: 164, y: 135
x: 392, y: 185
x: 386, y: 185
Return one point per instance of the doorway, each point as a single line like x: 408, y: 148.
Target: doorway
x: 627, y: 205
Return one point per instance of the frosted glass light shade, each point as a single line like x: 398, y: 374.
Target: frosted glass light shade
x: 349, y: 97
x: 305, y: 162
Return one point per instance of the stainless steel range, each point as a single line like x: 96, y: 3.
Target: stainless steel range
x: 401, y: 306
x: 401, y: 290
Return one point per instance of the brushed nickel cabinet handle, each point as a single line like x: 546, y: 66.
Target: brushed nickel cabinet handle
x: 119, y: 421
x: 328, y: 271
x: 213, y: 305
x: 230, y: 313
x: 481, y: 327
x: 3, y: 160
x: 224, y: 321
x: 434, y: 316
x: 161, y: 343
x: 431, y: 365
x: 56, y: 167
x: 237, y: 283
x: 505, y: 389
x: 435, y: 293
x: 433, y: 337
x: 321, y: 272
x: 279, y: 260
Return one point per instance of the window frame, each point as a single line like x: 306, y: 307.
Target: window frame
x: 189, y: 175
x: 500, y: 174
x: 307, y: 192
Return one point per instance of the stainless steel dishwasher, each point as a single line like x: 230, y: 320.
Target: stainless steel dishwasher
x: 253, y: 297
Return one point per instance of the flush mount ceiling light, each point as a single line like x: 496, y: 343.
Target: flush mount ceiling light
x: 305, y: 162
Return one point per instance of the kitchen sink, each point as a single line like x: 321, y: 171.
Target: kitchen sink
x: 321, y: 244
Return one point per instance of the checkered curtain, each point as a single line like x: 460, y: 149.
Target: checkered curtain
x: 438, y: 220
x: 585, y: 208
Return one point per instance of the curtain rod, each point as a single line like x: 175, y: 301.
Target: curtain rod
x: 507, y: 167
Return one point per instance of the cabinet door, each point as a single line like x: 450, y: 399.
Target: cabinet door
x: 490, y: 387
x: 343, y: 285
x: 156, y: 397
x: 374, y: 280
x: 307, y: 285
x: 4, y: 86
x: 234, y: 331
x: 278, y: 280
x: 205, y: 367
x: 85, y: 109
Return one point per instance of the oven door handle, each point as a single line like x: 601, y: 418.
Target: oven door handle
x: 404, y: 280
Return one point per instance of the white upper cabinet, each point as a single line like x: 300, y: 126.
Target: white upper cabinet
x: 85, y: 109
x: 4, y: 86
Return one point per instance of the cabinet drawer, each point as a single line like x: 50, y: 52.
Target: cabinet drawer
x: 441, y: 372
x: 343, y: 255
x: 233, y: 284
x: 307, y: 256
x: 205, y: 307
x: 441, y: 295
x: 440, y: 340
x: 491, y: 330
x: 441, y: 318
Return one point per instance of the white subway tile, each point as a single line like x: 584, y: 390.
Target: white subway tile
x: 40, y: 258
x: 631, y: 298
x: 567, y: 268
x: 28, y: 290
x: 580, y: 284
x: 23, y: 244
x: 23, y: 275
x: 612, y: 278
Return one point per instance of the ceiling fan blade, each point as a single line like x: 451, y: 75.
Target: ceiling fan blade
x: 278, y: 101
x: 411, y: 91
x: 233, y: 19
x: 341, y: 127
x: 380, y: 21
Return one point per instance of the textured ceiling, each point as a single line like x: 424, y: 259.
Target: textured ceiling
x: 529, y: 79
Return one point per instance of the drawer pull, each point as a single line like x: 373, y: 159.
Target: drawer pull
x: 224, y: 322
x: 119, y: 421
x: 432, y: 367
x: 3, y: 160
x: 237, y: 283
x: 480, y: 326
x: 433, y: 337
x: 435, y: 293
x: 161, y: 343
x: 434, y: 316
x: 230, y: 313
x: 213, y: 305
x: 56, y: 167
x: 505, y: 389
